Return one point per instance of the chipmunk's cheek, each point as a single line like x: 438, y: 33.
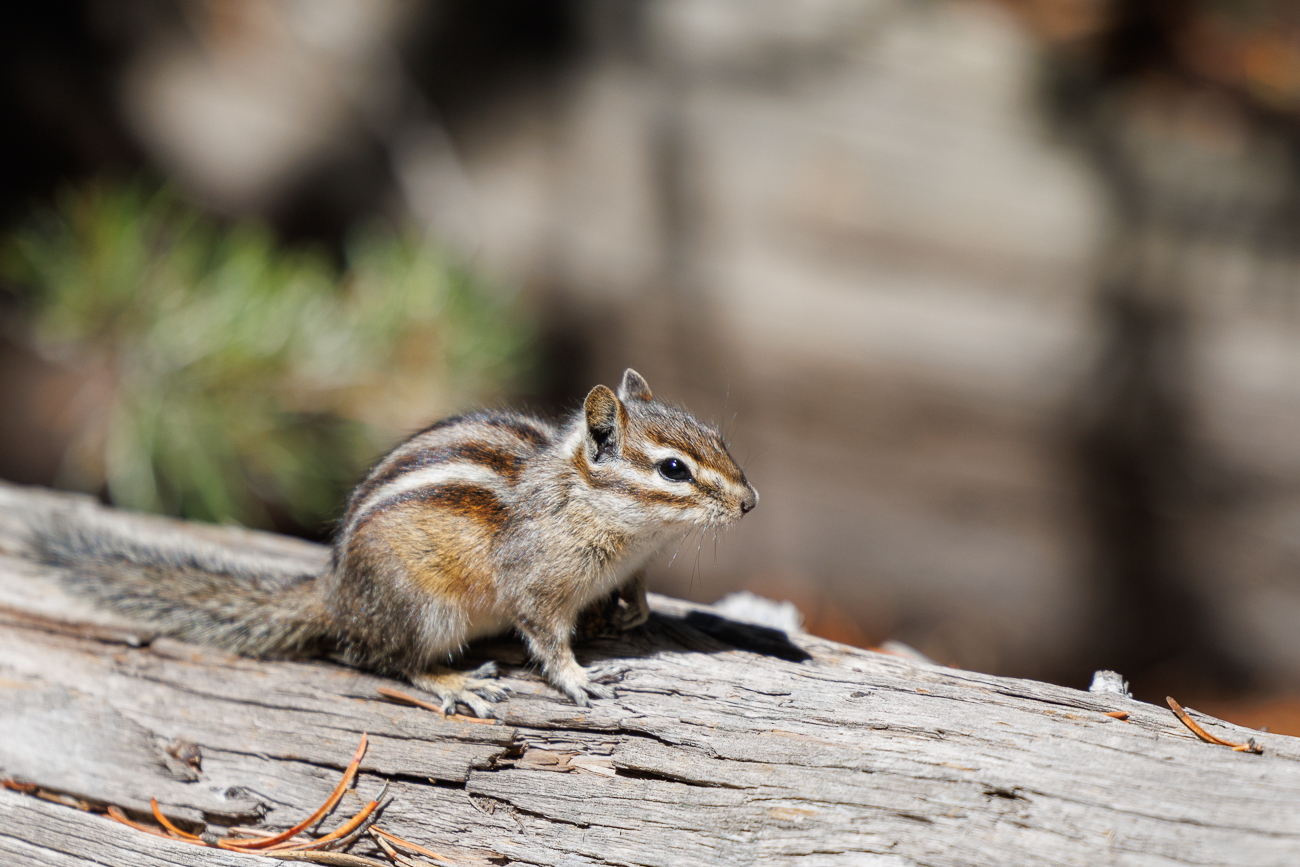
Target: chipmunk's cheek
x: 727, y: 509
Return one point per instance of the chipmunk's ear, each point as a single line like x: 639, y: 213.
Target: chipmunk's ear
x: 634, y: 387
x: 606, y: 419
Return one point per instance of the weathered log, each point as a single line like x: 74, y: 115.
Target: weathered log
x: 727, y: 744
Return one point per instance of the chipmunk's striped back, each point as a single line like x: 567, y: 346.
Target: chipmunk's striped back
x: 480, y: 456
x: 420, y: 538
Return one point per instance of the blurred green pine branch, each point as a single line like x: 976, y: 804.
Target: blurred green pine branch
x: 226, y: 378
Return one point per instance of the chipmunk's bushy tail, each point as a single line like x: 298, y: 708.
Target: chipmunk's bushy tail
x: 195, y: 591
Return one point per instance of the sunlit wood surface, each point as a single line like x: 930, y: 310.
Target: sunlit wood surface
x: 727, y: 744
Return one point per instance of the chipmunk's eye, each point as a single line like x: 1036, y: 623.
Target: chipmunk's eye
x: 674, y: 470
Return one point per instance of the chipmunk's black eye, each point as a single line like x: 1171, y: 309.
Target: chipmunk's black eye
x: 674, y: 470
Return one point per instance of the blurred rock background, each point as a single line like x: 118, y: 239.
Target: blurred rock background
x: 998, y: 302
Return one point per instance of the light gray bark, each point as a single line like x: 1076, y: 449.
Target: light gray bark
x: 721, y: 748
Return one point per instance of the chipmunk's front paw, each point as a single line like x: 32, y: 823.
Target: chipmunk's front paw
x: 577, y: 685
x: 632, y: 613
x: 473, y: 689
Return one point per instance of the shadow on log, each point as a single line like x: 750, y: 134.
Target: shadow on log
x: 727, y: 744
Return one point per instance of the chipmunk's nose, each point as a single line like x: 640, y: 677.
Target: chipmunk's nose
x: 751, y: 500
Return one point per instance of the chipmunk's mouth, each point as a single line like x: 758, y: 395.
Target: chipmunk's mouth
x: 726, y: 512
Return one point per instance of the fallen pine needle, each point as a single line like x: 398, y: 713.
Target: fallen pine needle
x: 258, y: 832
x: 285, y: 844
x: 118, y: 816
x: 407, y: 844
x: 342, y: 859
x: 392, y: 853
x: 162, y: 820
x: 314, y: 817
x: 345, y: 829
x: 44, y: 794
x: 14, y: 785
x: 1186, y: 719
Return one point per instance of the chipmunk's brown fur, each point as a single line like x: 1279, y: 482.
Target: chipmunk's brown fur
x: 473, y: 526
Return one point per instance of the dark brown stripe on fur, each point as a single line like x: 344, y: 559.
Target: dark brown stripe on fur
x: 701, y: 457
x: 467, y: 501
x: 525, y: 430
x: 583, y: 467
x: 637, y: 458
x: 437, y: 425
x: 649, y: 495
x: 653, y: 496
x: 681, y: 444
x: 657, y: 437
x: 508, y: 464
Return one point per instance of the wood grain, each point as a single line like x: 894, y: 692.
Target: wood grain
x: 727, y: 744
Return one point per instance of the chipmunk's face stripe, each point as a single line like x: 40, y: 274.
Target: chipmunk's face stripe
x: 695, y: 439
x: 661, y: 498
x: 702, y: 445
x: 583, y: 466
x: 443, y: 474
x: 637, y: 458
x: 644, y: 494
x: 629, y: 486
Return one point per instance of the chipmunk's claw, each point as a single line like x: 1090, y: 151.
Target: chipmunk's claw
x: 579, y: 695
x: 607, y: 674
x: 599, y: 680
x: 599, y: 690
x: 577, y: 684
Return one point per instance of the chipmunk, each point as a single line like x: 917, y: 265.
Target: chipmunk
x: 475, y: 525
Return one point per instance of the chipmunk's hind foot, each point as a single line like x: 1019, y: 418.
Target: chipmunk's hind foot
x: 474, y: 689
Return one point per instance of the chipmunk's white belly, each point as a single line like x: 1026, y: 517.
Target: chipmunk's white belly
x: 616, y: 574
x: 487, y: 624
